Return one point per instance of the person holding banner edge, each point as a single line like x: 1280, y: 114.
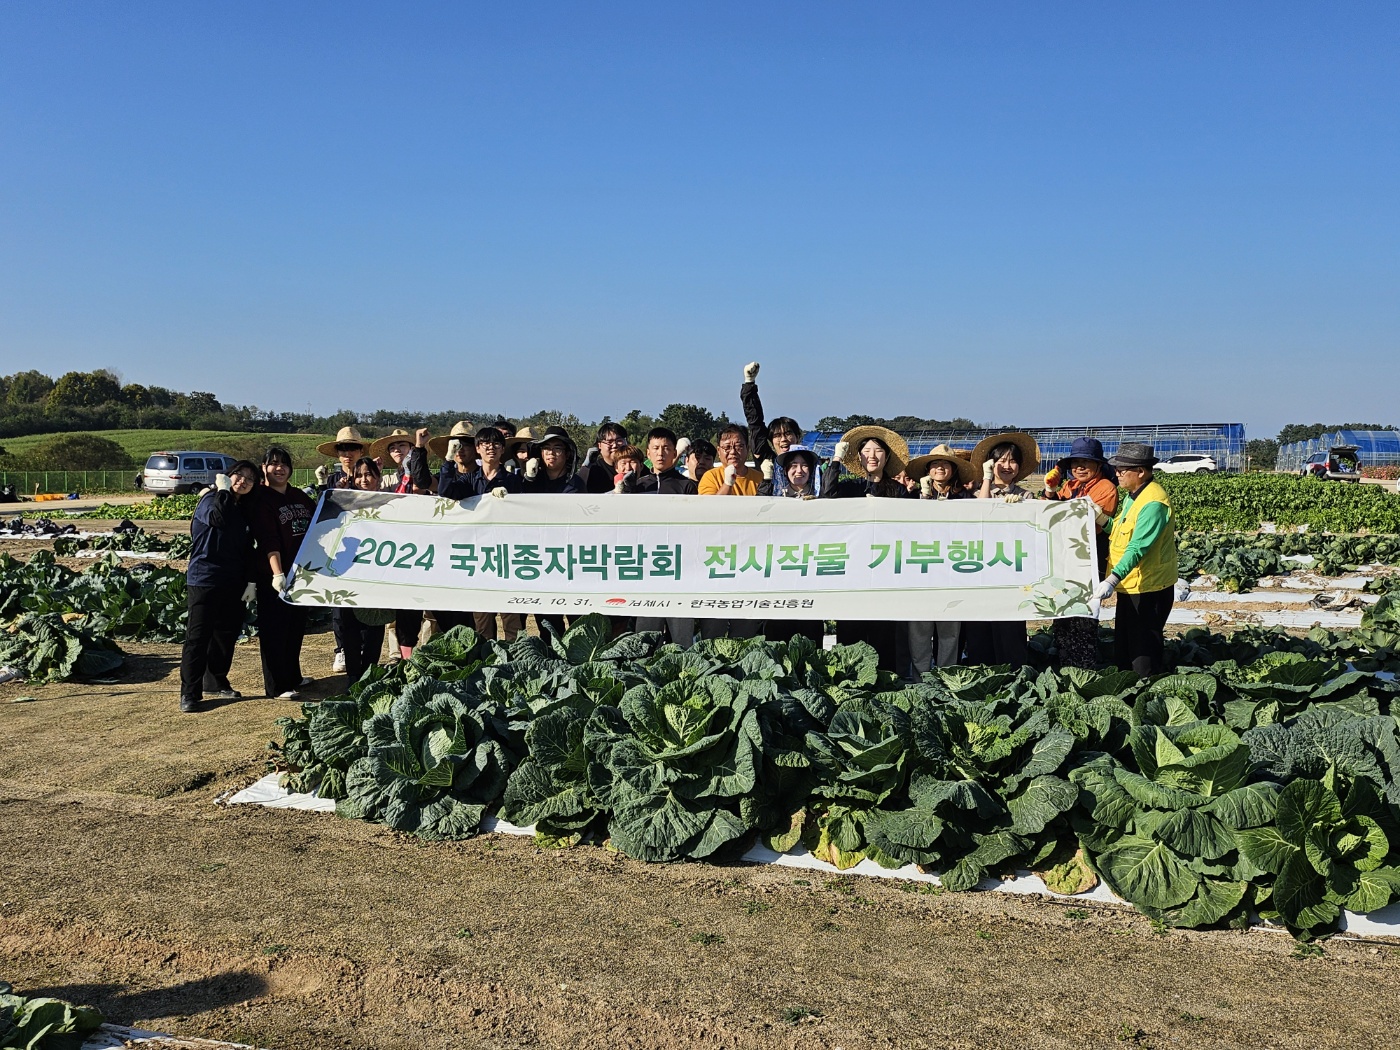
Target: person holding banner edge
x: 280, y: 515
x: 1004, y: 460
x: 1142, y: 551
x: 877, y: 457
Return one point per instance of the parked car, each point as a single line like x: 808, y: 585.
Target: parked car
x: 1339, y: 463
x: 170, y: 473
x: 1188, y: 463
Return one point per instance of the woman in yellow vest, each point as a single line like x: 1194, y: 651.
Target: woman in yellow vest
x: 1142, y: 551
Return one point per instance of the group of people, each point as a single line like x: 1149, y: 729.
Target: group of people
x: 247, y: 530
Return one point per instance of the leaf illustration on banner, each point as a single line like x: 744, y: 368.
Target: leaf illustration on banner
x: 366, y: 514
x: 442, y: 506
x: 1057, y: 597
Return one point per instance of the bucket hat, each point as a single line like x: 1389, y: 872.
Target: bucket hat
x: 343, y: 436
x: 857, y: 436
x: 380, y: 448
x: 461, y: 430
x: 1133, y: 454
x: 1030, y: 452
x: 1087, y: 448
x: 918, y: 466
x: 792, y: 453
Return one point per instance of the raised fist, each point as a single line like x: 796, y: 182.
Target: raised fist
x: 750, y: 371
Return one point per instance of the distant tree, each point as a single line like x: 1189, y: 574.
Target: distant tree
x: 137, y: 396
x: 85, y: 388
x: 551, y: 417
x: 28, y: 388
x: 690, y: 421
x: 637, y: 424
x: 1262, y: 453
x: 203, y: 403
x: 77, y: 452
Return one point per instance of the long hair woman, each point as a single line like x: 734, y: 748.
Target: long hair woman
x: 1005, y: 460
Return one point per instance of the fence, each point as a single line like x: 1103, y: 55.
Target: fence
x: 1224, y: 441
x: 87, y: 482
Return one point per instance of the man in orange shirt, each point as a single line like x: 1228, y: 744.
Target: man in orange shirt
x: 731, y: 476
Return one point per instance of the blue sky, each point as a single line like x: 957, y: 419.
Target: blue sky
x: 1046, y: 214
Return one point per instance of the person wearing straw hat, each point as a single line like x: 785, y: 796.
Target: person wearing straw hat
x: 360, y: 632
x: 394, y: 448
x: 1142, y: 551
x: 518, y: 450
x: 876, y: 456
x: 399, y: 447
x: 1004, y: 460
x: 941, y: 475
x: 347, y: 447
x: 1084, y: 474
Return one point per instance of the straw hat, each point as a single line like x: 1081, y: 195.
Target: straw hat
x: 380, y: 448
x: 462, y: 430
x: 343, y: 436
x: 523, y: 436
x: 856, y: 436
x: 918, y: 467
x: 1030, y: 452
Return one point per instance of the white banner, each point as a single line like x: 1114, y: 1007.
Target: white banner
x: 677, y: 556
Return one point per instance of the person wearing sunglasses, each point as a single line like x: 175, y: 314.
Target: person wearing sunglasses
x: 347, y: 447
x: 217, y: 586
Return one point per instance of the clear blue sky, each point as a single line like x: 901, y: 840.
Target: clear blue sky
x: 1044, y: 213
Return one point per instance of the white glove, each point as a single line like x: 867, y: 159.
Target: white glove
x: 322, y: 474
x: 767, y: 469
x: 279, y: 581
x: 1013, y: 497
x: 249, y: 593
x: 453, y: 447
x: 617, y: 485
x: 222, y: 482
x: 988, y: 469
x: 1101, y: 520
x: 682, y: 447
x: 750, y: 371
x: 499, y: 493
x: 730, y: 473
x: 839, y: 452
x: 532, y: 468
x: 1106, y: 589
x: 926, y: 487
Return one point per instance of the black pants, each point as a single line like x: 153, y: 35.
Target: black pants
x: 879, y: 634
x: 216, y: 615
x: 408, y: 624
x: 1137, y: 630
x: 281, y: 628
x: 360, y: 642
x: 995, y: 642
x: 783, y: 630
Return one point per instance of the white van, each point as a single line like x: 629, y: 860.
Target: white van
x: 170, y: 473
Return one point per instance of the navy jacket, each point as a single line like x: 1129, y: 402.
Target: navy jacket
x: 221, y: 543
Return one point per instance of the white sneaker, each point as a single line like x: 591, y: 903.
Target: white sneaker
x: 290, y: 694
x: 338, y: 664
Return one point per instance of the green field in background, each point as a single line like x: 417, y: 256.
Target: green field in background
x: 141, y: 443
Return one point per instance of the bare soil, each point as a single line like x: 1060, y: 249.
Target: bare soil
x: 124, y: 884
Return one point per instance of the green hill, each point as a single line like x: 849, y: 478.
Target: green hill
x: 141, y: 443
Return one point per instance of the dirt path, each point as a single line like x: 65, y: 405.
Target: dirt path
x: 122, y: 883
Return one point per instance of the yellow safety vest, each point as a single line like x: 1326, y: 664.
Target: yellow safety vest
x: 1158, y: 566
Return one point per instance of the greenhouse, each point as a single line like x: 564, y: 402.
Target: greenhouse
x: 1375, y: 448
x: 1224, y: 441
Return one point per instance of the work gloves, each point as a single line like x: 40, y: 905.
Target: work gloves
x: 750, y: 371
x: 250, y: 591
x: 1106, y: 589
x: 730, y: 473
x: 532, y: 468
x: 926, y: 487
x: 767, y: 468
x: 223, y: 482
x: 1053, y: 479
x: 988, y: 469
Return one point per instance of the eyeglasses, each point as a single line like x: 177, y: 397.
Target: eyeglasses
x: 491, y: 441
x: 612, y: 441
x: 735, y: 447
x: 245, y: 477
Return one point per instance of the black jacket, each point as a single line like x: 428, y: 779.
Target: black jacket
x: 671, y: 483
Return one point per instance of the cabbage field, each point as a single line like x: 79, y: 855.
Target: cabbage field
x: 1235, y: 788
